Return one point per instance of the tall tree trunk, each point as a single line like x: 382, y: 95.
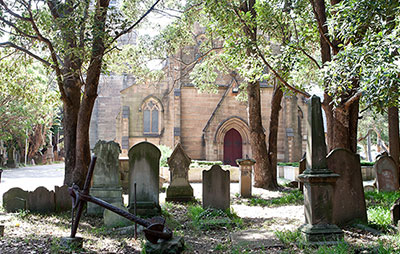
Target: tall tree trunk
x: 264, y: 177
x: 92, y: 80
x: 394, y: 141
x: 342, y: 119
x: 273, y: 136
x: 71, y: 108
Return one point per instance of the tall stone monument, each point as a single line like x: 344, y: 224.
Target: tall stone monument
x: 106, y: 181
x: 318, y: 183
x: 179, y: 189
x: 144, y: 169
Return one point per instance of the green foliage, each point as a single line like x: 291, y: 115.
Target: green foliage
x: 378, y: 208
x: 292, y: 164
x: 288, y: 238
x: 341, y: 248
x: 26, y: 97
x: 196, y: 163
x: 369, y: 53
x: 381, y: 199
x: 208, y: 219
x: 379, y: 217
x: 292, y: 197
x: 166, y: 151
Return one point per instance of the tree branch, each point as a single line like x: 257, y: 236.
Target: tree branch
x: 301, y: 48
x: 352, y: 99
x: 8, y: 10
x: 307, y: 95
x: 10, y: 44
x: 136, y: 23
x: 320, y: 26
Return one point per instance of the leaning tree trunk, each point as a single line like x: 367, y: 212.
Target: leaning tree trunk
x: 273, y: 134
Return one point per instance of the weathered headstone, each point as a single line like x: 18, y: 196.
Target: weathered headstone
x: 179, y: 188
x: 395, y: 212
x: 41, y: 200
x: 63, y: 199
x: 216, y: 188
x: 144, y: 169
x: 318, y: 183
x: 106, y: 181
x: 349, y: 185
x: 15, y: 199
x: 246, y: 168
x: 386, y: 173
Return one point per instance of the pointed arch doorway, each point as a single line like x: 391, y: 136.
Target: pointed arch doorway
x: 232, y: 147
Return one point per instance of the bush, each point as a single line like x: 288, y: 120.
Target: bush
x: 166, y: 151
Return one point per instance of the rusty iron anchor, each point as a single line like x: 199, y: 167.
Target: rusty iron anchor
x: 155, y: 228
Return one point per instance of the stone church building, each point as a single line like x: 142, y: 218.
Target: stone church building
x: 210, y: 126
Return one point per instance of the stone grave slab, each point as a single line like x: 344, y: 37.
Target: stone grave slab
x: 62, y: 198
x: 386, y: 173
x: 216, y: 188
x: 179, y: 188
x: 349, y: 185
x: 15, y: 199
x: 144, y: 170
x: 41, y: 200
x: 106, y: 183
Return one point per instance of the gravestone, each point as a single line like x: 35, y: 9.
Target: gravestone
x: 106, y: 181
x: 395, y: 212
x: 15, y: 199
x: 318, y: 182
x: 349, y: 185
x: 386, y: 173
x: 179, y: 188
x: 216, y: 188
x: 113, y: 220
x: 63, y: 199
x: 246, y: 168
x: 144, y: 169
x: 302, y: 168
x: 41, y: 200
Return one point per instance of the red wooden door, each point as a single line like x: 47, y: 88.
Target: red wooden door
x: 232, y: 147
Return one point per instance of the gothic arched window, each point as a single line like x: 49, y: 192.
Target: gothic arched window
x: 151, y: 117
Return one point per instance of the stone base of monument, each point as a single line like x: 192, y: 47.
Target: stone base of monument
x: 109, y: 195
x: 1, y: 230
x: 147, y: 209
x: 71, y: 242
x: 322, y: 234
x: 180, y: 193
x: 172, y: 246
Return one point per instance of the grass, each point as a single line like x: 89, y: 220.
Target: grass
x: 207, y: 219
x: 294, y: 239
x: 292, y: 197
x: 378, y: 208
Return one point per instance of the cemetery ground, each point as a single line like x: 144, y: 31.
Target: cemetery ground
x: 265, y: 223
